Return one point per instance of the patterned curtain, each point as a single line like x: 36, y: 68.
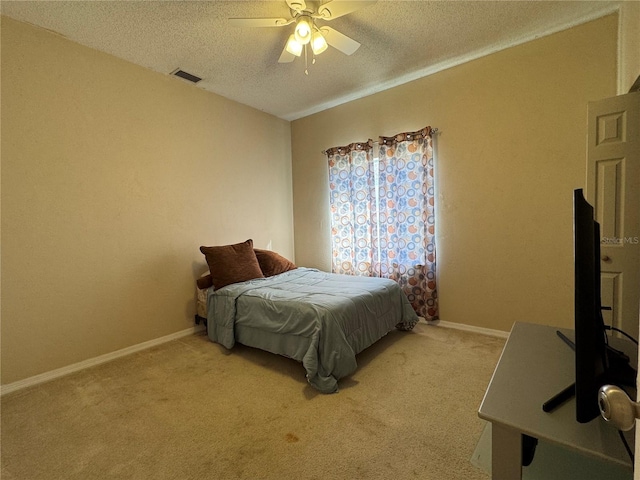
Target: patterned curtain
x: 350, y: 179
x: 403, y: 218
x: 382, y: 214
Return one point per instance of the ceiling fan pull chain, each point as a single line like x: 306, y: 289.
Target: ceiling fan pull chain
x: 306, y: 67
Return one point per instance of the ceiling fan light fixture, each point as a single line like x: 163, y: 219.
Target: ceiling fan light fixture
x: 293, y: 46
x: 318, y: 43
x: 303, y: 29
x: 305, y: 32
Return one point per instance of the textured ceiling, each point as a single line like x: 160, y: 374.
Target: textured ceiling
x: 401, y: 41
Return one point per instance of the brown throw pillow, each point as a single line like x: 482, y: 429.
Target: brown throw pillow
x: 272, y: 263
x: 232, y: 263
x: 205, y: 282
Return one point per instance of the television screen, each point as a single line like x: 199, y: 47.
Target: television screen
x: 596, y: 362
x: 590, y: 333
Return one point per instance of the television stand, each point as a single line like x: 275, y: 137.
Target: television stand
x: 569, y: 392
x: 559, y: 398
x: 534, y: 365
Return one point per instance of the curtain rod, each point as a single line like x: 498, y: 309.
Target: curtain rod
x: 432, y: 132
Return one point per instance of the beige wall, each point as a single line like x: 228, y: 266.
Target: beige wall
x: 510, y: 152
x: 112, y: 177
x: 629, y: 45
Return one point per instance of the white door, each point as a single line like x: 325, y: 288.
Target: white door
x: 613, y: 187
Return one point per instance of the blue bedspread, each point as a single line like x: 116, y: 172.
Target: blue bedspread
x: 320, y: 319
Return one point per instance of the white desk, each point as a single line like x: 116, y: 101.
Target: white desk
x: 534, y: 366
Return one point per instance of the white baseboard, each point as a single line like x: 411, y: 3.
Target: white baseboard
x: 59, y: 372
x: 470, y: 328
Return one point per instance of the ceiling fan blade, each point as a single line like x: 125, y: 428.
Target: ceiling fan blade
x: 286, y: 56
x: 260, y: 22
x: 338, y: 8
x: 296, y: 5
x: 340, y: 41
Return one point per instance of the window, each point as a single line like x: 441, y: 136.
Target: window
x: 382, y: 213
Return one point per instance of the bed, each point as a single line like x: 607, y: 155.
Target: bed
x: 320, y: 319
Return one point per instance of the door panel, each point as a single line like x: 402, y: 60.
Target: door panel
x: 609, y: 184
x: 613, y: 188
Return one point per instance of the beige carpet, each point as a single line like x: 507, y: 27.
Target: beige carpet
x: 191, y: 410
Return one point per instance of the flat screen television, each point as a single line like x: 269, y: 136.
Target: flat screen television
x: 596, y: 363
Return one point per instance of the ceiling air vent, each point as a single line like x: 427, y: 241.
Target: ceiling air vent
x: 186, y: 76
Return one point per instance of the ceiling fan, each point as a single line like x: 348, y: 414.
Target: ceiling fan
x: 306, y: 32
